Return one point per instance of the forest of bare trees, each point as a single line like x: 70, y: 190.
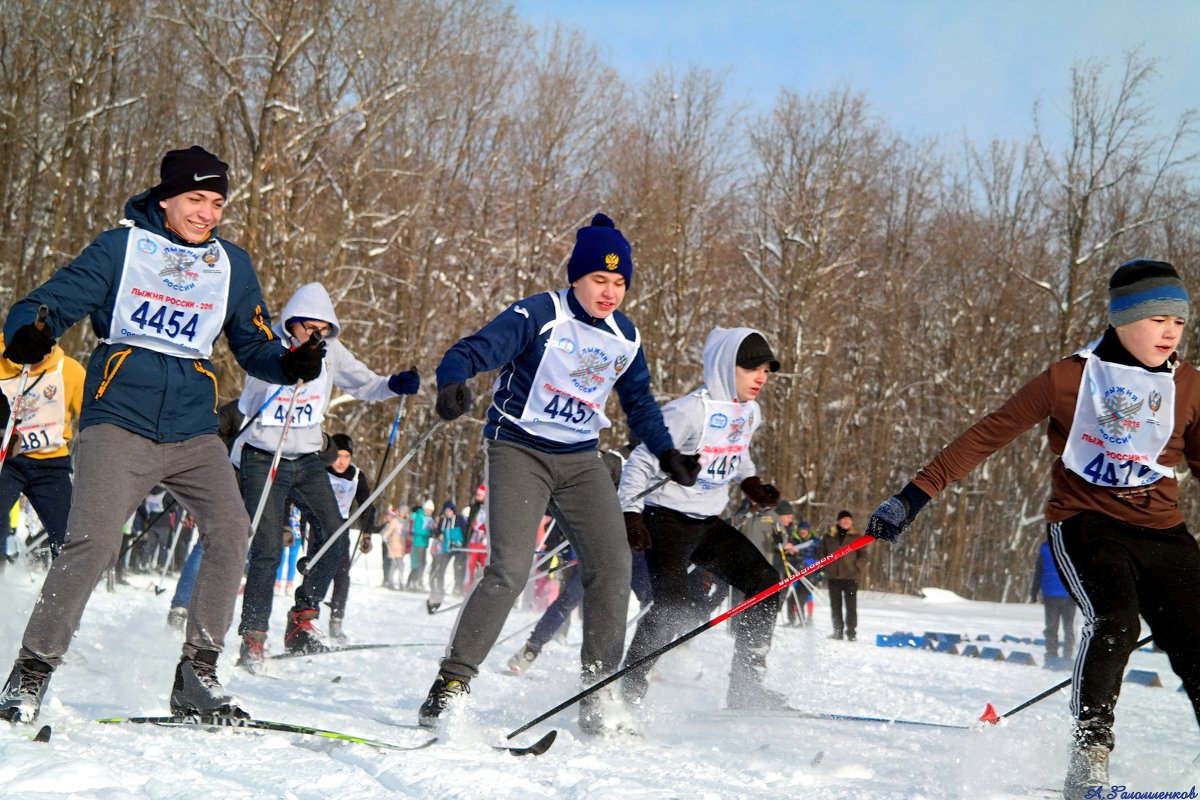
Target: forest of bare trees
x: 429, y: 162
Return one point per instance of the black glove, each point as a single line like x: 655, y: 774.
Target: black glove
x: 407, y: 382
x: 29, y: 344
x: 895, y: 514
x: 636, y: 532
x: 683, y: 469
x: 5, y: 408
x: 764, y: 495
x: 329, y: 450
x: 453, y: 400
x: 304, y: 362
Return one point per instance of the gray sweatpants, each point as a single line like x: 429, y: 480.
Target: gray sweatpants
x: 114, y: 471
x: 521, y: 483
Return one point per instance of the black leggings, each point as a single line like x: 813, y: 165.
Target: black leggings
x: 1116, y: 571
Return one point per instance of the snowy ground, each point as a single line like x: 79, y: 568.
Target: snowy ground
x: 123, y: 659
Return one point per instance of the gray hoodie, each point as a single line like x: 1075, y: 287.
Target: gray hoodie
x: 339, y: 368
x: 688, y: 418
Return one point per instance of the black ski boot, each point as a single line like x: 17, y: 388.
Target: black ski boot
x: 302, y: 635
x: 444, y: 691
x: 21, y: 698
x: 197, y: 692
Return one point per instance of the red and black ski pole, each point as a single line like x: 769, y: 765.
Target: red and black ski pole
x: 992, y: 718
x: 712, y: 623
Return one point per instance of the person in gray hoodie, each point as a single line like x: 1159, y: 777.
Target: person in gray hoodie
x: 680, y: 525
x: 301, y: 476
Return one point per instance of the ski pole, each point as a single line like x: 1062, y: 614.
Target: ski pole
x: 379, y: 473
x: 370, y: 498
x: 558, y: 548
x: 739, y: 608
x: 162, y: 573
x: 255, y: 415
x: 266, y: 490
x: 990, y: 716
x: 42, y: 311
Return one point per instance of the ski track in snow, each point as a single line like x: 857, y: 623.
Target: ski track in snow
x: 123, y: 658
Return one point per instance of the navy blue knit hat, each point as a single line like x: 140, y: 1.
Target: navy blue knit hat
x: 600, y: 247
x: 1141, y: 288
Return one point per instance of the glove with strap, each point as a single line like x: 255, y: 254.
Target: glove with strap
x: 636, y: 532
x: 895, y: 514
x: 453, y: 400
x: 683, y: 469
x: 764, y: 495
x: 29, y: 344
x: 407, y: 382
x: 303, y: 363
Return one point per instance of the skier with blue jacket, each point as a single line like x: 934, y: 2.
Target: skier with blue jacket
x: 560, y: 355
x: 159, y: 291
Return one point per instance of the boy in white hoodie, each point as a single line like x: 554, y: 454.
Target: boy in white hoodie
x: 301, y: 476
x: 680, y: 525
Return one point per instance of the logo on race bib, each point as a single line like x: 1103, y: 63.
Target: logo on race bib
x: 211, y: 255
x: 1156, y: 399
x: 1118, y: 426
x: 593, y: 361
x: 718, y: 421
x: 147, y: 246
x: 737, y: 429
x: 49, y: 392
x: 177, y: 273
x: 620, y: 364
x: 566, y: 344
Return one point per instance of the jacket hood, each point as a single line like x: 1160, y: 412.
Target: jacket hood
x: 310, y: 301
x: 720, y: 361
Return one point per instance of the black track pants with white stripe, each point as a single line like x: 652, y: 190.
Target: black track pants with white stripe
x: 1115, y: 572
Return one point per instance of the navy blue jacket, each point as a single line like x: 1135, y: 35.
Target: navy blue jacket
x: 512, y: 343
x: 161, y: 397
x: 1046, y: 577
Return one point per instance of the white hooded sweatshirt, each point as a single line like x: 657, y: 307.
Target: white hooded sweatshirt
x: 339, y: 368
x: 709, y: 421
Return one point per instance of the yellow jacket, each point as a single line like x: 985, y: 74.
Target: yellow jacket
x: 73, y: 375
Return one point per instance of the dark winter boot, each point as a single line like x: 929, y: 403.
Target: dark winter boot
x: 523, y: 659
x: 604, y: 713
x: 197, y: 692
x: 445, y: 690
x: 23, y: 692
x: 253, y: 653
x: 746, y: 690
x: 302, y: 635
x: 335, y: 630
x: 1087, y: 769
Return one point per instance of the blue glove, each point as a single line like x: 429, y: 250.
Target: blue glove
x: 895, y: 514
x: 407, y: 382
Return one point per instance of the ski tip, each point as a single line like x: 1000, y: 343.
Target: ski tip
x: 43, y: 734
x: 535, y: 749
x: 990, y: 716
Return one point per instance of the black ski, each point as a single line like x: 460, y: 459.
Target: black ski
x: 43, y: 735
x: 345, y: 647
x: 215, y: 722
x: 535, y: 749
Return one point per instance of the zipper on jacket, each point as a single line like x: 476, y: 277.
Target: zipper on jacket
x: 111, y: 369
x: 216, y: 395
x: 261, y: 324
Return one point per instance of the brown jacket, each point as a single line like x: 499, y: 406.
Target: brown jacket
x: 850, y: 566
x: 1052, y: 396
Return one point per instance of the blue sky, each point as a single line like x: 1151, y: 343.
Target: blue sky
x: 926, y: 66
